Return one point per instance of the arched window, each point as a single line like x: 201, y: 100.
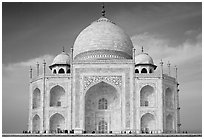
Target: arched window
x: 102, y: 104
x: 61, y: 71
x: 150, y: 71
x: 136, y: 71
x: 36, y: 98
x: 54, y: 71
x: 102, y: 127
x: 144, y: 70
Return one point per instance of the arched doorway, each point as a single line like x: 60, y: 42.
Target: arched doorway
x: 147, y: 96
x: 36, y: 98
x: 102, y: 108
x: 169, y: 98
x: 57, y: 96
x: 169, y: 123
x: 36, y: 123
x: 148, y: 123
x: 57, y: 122
x: 102, y: 127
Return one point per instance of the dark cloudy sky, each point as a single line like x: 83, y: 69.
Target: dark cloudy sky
x: 32, y: 32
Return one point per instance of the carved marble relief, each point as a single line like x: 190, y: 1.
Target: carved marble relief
x: 89, y: 80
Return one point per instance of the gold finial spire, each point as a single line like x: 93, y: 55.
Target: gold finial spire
x: 62, y: 48
x: 142, y: 49
x: 103, y: 10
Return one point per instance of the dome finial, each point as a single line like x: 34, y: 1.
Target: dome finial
x: 62, y: 48
x: 142, y: 49
x: 103, y: 10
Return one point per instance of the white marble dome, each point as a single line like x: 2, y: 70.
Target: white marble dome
x: 143, y: 58
x: 62, y: 58
x: 102, y: 39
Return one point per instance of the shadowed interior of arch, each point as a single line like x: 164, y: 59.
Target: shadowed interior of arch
x: 147, y: 96
x: 57, y: 96
x: 57, y: 122
x: 168, y: 98
x: 36, y: 98
x: 101, y: 103
x: 148, y: 123
x: 36, y: 123
x: 61, y: 71
x: 169, y: 123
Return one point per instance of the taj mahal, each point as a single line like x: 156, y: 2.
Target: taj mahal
x: 102, y: 86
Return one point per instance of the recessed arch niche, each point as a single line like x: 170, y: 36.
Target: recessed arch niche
x: 36, y: 123
x: 148, y: 123
x: 147, y: 96
x: 36, y: 98
x: 57, y: 122
x: 102, y: 101
x: 57, y: 96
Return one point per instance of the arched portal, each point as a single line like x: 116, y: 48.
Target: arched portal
x: 57, y: 96
x: 169, y: 98
x: 147, y: 96
x: 36, y: 98
x: 102, y: 103
x: 36, y: 123
x: 148, y: 123
x: 57, y: 122
x: 169, y: 123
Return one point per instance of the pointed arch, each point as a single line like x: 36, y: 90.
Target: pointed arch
x: 136, y: 71
x: 144, y: 70
x: 36, y: 98
x: 102, y: 127
x: 57, y: 122
x: 169, y: 98
x: 36, y: 123
x: 148, y: 123
x: 61, y: 71
x: 57, y: 96
x: 54, y: 71
x: 147, y: 96
x: 169, y: 123
x: 101, y: 99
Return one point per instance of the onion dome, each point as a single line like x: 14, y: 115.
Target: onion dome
x: 61, y: 59
x: 102, y: 39
x: 144, y: 59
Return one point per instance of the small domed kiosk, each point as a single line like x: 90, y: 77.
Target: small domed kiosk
x: 61, y: 64
x: 144, y: 63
